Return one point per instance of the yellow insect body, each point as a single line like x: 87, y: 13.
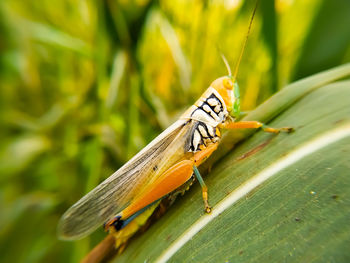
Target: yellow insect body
x: 166, y: 163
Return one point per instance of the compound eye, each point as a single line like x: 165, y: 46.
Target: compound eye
x: 228, y: 84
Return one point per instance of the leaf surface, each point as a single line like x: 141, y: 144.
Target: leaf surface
x: 275, y: 198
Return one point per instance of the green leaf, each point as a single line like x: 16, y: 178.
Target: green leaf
x: 275, y: 198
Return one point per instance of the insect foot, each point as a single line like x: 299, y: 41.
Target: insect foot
x: 276, y: 130
x: 207, y: 209
x: 287, y: 129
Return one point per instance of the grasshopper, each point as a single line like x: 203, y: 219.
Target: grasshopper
x: 166, y: 164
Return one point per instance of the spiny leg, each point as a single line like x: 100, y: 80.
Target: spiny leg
x: 207, y: 208
x: 254, y: 125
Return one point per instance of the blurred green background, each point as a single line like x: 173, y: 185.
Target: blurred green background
x: 87, y: 84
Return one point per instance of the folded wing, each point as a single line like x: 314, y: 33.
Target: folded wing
x: 117, y: 191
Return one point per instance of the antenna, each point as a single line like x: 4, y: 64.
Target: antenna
x: 245, y: 42
x: 226, y: 64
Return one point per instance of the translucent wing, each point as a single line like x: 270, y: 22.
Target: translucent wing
x: 118, y: 190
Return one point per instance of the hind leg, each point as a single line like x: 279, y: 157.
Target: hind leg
x: 173, y: 178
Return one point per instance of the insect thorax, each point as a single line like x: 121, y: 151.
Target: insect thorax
x: 208, y: 112
x: 202, y: 135
x: 210, y: 108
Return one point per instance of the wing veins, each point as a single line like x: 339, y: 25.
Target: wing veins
x: 113, y: 194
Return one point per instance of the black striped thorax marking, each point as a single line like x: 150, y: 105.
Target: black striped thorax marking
x: 202, y: 135
x: 211, y: 109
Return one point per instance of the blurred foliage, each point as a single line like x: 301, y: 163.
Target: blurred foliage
x: 86, y: 84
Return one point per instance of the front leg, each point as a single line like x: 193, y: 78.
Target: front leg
x: 254, y: 125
